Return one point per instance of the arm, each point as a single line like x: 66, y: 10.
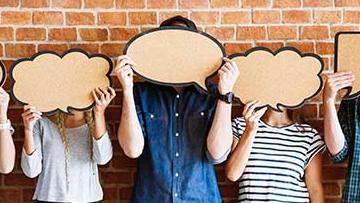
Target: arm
x: 31, y: 159
x: 313, y: 177
x: 220, y: 135
x: 130, y: 134
x: 7, y: 147
x: 334, y: 136
x: 242, y: 148
x: 102, y: 147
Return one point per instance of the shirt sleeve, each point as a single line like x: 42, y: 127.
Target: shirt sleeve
x: 238, y: 127
x: 346, y: 115
x: 316, y: 145
x: 102, y: 149
x: 31, y: 164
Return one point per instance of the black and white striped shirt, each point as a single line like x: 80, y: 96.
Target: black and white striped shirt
x: 276, y: 165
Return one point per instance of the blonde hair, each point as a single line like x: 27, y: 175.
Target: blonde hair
x: 60, y: 123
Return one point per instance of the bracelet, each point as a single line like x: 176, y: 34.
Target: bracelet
x: 6, y: 125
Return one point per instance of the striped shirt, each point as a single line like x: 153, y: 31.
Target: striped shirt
x: 277, y: 162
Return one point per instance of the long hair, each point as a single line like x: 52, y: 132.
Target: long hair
x: 60, y: 123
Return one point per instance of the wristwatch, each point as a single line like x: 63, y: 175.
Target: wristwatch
x: 6, y: 125
x: 228, y: 97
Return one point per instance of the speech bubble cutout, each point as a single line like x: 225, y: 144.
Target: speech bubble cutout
x: 52, y: 82
x: 2, y: 74
x: 284, y: 78
x: 175, y: 55
x: 347, y: 58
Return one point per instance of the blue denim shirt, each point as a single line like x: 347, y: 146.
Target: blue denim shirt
x: 175, y: 165
x: 349, y: 118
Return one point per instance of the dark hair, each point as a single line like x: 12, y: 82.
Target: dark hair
x: 179, y: 19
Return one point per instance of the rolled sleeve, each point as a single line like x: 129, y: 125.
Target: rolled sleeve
x: 341, y: 156
x: 102, y: 149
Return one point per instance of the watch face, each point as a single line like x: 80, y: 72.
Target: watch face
x: 229, y: 97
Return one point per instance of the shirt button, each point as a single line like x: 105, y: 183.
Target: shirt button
x: 176, y: 194
x: 152, y: 116
x: 176, y: 114
x: 202, y: 114
x: 176, y: 175
x: 177, y: 134
x: 178, y: 96
x: 177, y: 154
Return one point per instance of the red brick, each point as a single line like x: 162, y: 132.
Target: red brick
x: 193, y: 4
x: 15, y: 17
x: 266, y: 16
x: 58, y: 48
x: 6, y: 33
x: 341, y: 28
x: 90, y: 48
x: 306, y: 47
x: 282, y: 32
x: 256, y: 3
x: 112, y: 49
x: 116, y: 177
x: 270, y: 45
x: 122, y: 34
x: 224, y: 3
x: 10, y: 195
x: 254, y: 32
x: 296, y: 16
x: 48, y: 17
x: 34, y: 3
x: 19, y: 50
x: 314, y: 32
x: 112, y: 18
x: 286, y: 3
x: 99, y: 3
x: 236, y: 17
x: 130, y: 4
x: 142, y: 18
x: 352, y: 17
x: 221, y: 33
x: 66, y: 3
x: 318, y: 3
x: 79, y: 18
x: 332, y: 189
x: 9, y: 3
x: 30, y: 34
x: 324, y: 48
x: 205, y: 17
x: 161, y: 4
x: 62, y: 34
x: 347, y: 3
x: 321, y: 16
x: 93, y: 34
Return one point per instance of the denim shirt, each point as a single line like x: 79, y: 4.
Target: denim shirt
x: 349, y: 118
x: 174, y: 165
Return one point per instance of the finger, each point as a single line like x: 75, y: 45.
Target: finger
x: 112, y: 92
x: 258, y: 114
x: 343, y: 85
x: 252, y: 108
x: 102, y: 95
x: 97, y: 101
x: 247, y: 105
x: 338, y: 74
x: 342, y: 78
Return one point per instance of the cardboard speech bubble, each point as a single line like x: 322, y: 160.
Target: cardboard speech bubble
x: 53, y: 82
x: 2, y: 74
x: 283, y: 78
x: 175, y: 56
x: 347, y: 58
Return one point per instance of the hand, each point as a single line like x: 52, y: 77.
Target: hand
x: 30, y: 116
x: 4, y: 103
x: 102, y: 98
x: 251, y: 116
x: 124, y: 72
x: 334, y: 82
x: 228, y: 74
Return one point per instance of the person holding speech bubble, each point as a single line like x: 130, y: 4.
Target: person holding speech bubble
x: 7, y: 147
x: 275, y: 157
x: 64, y: 151
x: 176, y: 133
x: 341, y: 130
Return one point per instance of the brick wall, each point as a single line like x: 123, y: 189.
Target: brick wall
x: 28, y: 26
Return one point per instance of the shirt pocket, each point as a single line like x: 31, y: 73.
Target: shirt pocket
x: 155, y: 124
x: 198, y: 124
